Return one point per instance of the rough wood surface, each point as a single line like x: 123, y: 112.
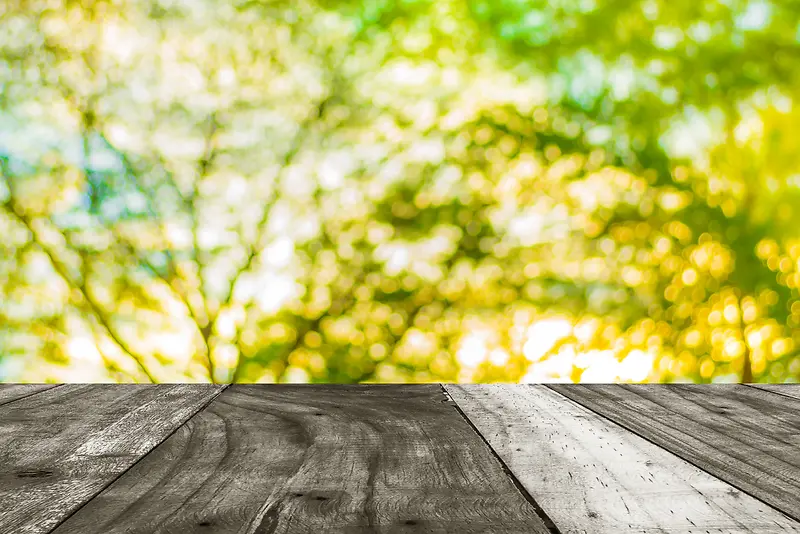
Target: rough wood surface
x: 13, y: 392
x: 592, y: 475
x: 61, y: 446
x: 754, y: 411
x: 740, y: 434
x: 315, y: 459
x: 790, y: 390
x: 402, y: 458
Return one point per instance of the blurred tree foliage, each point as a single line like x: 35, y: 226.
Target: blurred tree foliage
x: 399, y: 190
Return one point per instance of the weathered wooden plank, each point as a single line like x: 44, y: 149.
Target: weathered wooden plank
x: 592, y: 475
x: 12, y: 392
x: 715, y: 431
x: 269, y: 459
x: 753, y: 411
x: 62, y: 446
x: 790, y: 390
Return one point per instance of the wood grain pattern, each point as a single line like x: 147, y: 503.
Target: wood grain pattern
x: 592, y: 475
x: 13, y: 392
x: 755, y: 412
x: 790, y: 390
x: 315, y: 459
x: 62, y: 446
x: 736, y: 433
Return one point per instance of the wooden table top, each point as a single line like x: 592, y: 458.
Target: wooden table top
x: 258, y: 459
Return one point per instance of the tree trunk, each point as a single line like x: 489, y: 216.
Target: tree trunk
x: 747, y: 370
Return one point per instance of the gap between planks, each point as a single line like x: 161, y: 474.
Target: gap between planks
x: 344, y: 459
x: 28, y: 390
x: 63, y: 444
x: 548, y: 522
x: 786, y: 390
x: 564, y: 391
x: 142, y: 457
x: 509, y: 414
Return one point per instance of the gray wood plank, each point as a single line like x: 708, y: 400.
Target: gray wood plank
x: 754, y: 412
x: 790, y: 390
x: 592, y: 475
x: 13, y: 392
x: 270, y: 459
x: 750, y: 446
x: 62, y: 446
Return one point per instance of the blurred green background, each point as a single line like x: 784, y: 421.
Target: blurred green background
x: 400, y: 190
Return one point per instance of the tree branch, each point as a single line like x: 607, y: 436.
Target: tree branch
x: 201, y: 324
x: 94, y: 306
x: 297, y: 143
x: 288, y: 158
x: 94, y: 124
x: 209, y: 153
